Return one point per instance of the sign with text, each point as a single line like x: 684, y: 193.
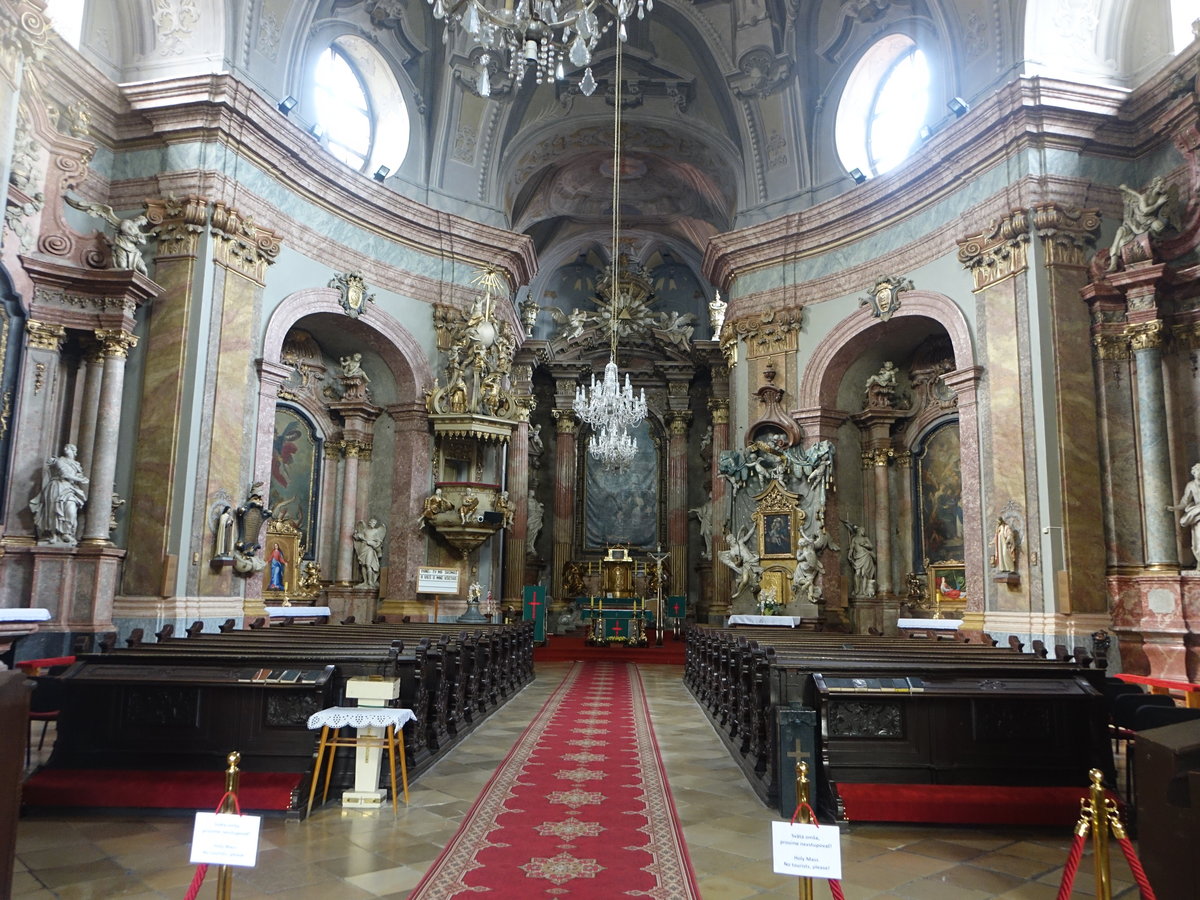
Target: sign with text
x: 432, y: 580
x: 807, y: 850
x: 225, y: 839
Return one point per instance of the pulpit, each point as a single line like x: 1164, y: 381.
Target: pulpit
x: 616, y: 573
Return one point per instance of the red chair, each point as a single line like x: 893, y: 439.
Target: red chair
x: 47, y: 695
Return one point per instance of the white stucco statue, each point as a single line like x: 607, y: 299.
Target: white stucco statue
x: 703, y: 514
x: 1189, y: 510
x: 533, y: 524
x: 808, y: 569
x: 368, y: 548
x: 861, y: 553
x: 56, y: 507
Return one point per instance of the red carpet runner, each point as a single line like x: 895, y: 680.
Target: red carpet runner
x: 579, y: 808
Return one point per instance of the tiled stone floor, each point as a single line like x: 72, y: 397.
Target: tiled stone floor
x: 338, y: 855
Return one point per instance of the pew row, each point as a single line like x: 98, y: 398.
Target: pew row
x: 183, y: 703
x: 866, y: 710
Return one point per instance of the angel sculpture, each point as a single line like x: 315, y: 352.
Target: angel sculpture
x: 1147, y: 213
x: 127, y: 239
x: 677, y: 328
x: 573, y: 323
x: 742, y: 560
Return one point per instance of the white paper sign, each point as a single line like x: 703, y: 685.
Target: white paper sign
x: 432, y: 580
x: 225, y: 839
x: 807, y: 850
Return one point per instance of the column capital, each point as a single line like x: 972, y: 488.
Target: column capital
x: 678, y: 423
x: 241, y: 245
x: 23, y: 38
x: 998, y: 252
x: 44, y: 335
x: 115, y: 342
x: 564, y: 421
x: 1067, y: 234
x: 1111, y: 345
x: 718, y: 407
x: 877, y: 457
x: 1145, y: 335
x: 178, y: 224
x: 1187, y: 335
x: 525, y: 408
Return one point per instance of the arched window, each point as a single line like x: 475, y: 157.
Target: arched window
x: 883, y: 106
x: 359, y: 106
x: 1183, y: 14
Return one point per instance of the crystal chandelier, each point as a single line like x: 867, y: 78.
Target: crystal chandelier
x: 538, y: 33
x: 609, y: 408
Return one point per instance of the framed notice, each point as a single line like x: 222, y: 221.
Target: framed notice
x: 432, y: 580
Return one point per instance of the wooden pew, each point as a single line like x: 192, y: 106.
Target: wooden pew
x: 452, y: 679
x: 895, y: 710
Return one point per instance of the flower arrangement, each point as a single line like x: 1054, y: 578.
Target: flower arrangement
x: 768, y: 602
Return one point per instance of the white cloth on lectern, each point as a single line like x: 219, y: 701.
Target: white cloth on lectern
x: 361, y: 717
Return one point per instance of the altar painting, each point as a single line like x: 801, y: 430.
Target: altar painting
x: 621, y: 507
x: 939, y: 489
x: 295, y: 467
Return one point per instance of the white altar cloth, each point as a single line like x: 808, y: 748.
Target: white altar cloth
x: 290, y: 612
x: 24, y: 614
x: 930, y: 624
x: 361, y: 717
x: 781, y: 621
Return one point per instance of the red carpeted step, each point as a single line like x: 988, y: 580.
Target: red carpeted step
x: 140, y: 789
x: 961, y: 804
x: 572, y: 647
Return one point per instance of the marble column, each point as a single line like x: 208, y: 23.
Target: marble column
x: 722, y: 577
x: 822, y: 425
x: 35, y: 436
x: 677, y: 523
x: 517, y: 484
x: 93, y: 378
x: 331, y: 484
x: 1161, y: 549
x: 349, y: 493
x: 564, y: 495
x: 115, y: 346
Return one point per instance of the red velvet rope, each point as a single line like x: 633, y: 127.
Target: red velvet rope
x: 1072, y: 866
x: 835, y: 886
x: 202, y: 869
x: 1135, y: 866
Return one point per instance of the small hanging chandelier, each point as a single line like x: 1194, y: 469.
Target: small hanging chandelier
x: 609, y: 408
x: 538, y: 33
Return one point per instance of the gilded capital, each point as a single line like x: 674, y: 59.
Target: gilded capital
x: 719, y: 409
x: 877, y: 457
x: 1068, y: 235
x: 45, y: 336
x: 564, y: 421
x: 1186, y: 336
x: 115, y: 343
x: 678, y: 423
x: 1145, y: 335
x: 1109, y: 345
x: 998, y: 252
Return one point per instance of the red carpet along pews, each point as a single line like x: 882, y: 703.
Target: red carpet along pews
x: 899, y: 729
x: 182, y: 704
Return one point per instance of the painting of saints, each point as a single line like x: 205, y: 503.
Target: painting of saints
x: 777, y: 535
x: 940, y: 489
x: 295, y: 460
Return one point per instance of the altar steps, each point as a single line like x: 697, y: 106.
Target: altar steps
x: 574, y: 646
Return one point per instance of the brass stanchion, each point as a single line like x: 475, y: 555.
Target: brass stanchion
x: 229, y: 804
x: 804, y: 817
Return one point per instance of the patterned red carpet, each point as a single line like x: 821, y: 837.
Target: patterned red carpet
x: 580, y: 807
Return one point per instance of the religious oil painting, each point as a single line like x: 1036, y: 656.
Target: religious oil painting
x: 621, y: 506
x: 282, y: 553
x: 948, y: 585
x: 777, y: 534
x: 295, y: 468
x: 939, y: 490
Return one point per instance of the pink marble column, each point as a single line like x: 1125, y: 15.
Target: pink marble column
x: 722, y: 589
x: 517, y: 484
x: 822, y: 425
x: 965, y: 384
x: 115, y: 344
x: 677, y: 523
x: 345, y: 545
x: 564, y: 495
